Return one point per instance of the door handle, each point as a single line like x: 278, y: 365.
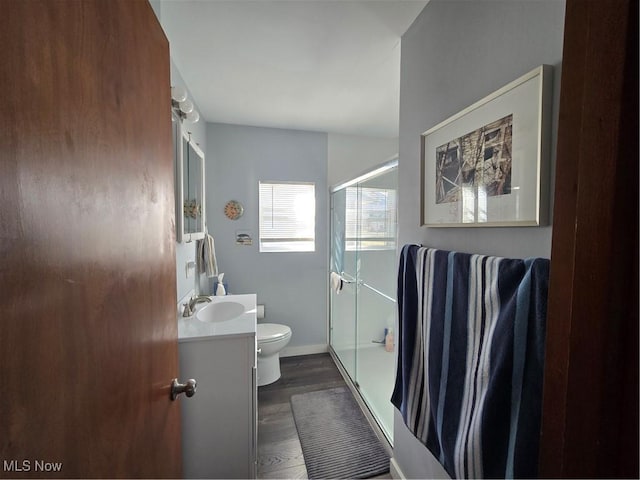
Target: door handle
x: 189, y: 388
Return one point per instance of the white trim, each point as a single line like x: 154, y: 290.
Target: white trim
x: 387, y: 165
x: 304, y: 350
x: 394, y: 469
x: 185, y: 137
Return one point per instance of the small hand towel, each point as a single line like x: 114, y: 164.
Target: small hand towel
x: 206, y: 256
x: 336, y: 282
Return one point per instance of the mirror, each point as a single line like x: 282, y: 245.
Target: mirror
x: 189, y: 175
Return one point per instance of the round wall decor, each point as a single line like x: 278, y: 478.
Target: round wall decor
x: 233, y: 209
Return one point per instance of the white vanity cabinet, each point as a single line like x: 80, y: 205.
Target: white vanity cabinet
x: 219, y: 423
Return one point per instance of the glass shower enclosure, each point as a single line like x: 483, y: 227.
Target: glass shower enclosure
x: 363, y: 252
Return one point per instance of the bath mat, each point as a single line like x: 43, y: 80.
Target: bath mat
x: 337, y: 440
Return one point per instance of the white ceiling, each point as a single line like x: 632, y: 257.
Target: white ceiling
x: 319, y: 65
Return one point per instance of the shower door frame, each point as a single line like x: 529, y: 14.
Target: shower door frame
x: 352, y: 382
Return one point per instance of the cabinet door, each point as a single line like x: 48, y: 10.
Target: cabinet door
x: 219, y: 421
x: 253, y: 358
x: 254, y: 424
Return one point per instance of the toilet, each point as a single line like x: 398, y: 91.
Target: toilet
x: 272, y: 338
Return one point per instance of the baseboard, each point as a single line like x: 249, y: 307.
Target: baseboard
x: 394, y: 470
x: 304, y: 350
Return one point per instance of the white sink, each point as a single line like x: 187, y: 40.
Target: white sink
x: 220, y: 311
x: 219, y: 318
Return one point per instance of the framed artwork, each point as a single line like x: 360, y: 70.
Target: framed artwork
x: 487, y: 166
x: 244, y: 238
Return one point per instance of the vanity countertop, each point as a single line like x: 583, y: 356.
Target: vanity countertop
x: 192, y: 329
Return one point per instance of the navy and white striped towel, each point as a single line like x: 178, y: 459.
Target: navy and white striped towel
x: 471, y: 353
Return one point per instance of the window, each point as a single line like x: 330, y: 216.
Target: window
x: 287, y: 217
x: 374, y: 226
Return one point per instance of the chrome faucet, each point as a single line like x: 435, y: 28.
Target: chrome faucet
x: 190, y: 306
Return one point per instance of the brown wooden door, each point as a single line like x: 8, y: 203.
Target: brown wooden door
x: 88, y: 335
x: 590, y: 404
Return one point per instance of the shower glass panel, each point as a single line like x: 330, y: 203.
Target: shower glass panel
x: 364, y: 232
x: 343, y: 305
x: 376, y: 304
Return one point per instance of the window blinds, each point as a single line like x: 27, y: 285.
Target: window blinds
x: 287, y: 217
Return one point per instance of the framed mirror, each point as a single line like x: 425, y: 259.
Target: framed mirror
x: 189, y: 181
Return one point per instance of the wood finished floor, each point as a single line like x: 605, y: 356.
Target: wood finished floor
x: 279, y: 450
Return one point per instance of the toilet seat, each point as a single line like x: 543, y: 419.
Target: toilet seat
x: 272, y: 332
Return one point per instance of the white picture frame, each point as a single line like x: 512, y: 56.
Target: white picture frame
x: 488, y: 165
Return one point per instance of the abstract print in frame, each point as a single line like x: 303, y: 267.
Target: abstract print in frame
x: 488, y: 165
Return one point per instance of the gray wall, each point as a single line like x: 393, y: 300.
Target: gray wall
x: 293, y: 286
x: 351, y: 155
x: 455, y: 53
x: 185, y: 252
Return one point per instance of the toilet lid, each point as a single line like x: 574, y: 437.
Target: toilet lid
x: 268, y: 332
